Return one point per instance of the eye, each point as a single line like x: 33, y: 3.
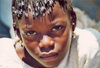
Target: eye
x: 57, y: 28
x: 31, y: 33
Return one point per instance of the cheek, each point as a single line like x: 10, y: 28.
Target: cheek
x: 63, y: 40
x: 31, y: 46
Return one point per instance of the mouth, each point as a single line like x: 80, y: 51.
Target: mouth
x: 49, y: 57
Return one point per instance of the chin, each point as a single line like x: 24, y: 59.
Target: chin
x: 50, y: 65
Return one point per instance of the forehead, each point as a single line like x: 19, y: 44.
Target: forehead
x: 57, y: 13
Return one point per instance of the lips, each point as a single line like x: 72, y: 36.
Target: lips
x: 49, y: 56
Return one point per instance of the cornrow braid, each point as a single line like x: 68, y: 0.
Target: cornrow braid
x: 38, y: 7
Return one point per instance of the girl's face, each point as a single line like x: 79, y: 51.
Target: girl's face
x: 47, y: 38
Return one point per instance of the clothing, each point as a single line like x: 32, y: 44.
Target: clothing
x: 84, y: 52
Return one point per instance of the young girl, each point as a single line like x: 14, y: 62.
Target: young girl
x: 46, y: 31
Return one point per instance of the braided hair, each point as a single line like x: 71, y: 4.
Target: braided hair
x: 39, y: 8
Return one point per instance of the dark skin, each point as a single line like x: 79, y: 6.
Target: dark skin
x: 46, y: 39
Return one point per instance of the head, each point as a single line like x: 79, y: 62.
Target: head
x: 45, y: 27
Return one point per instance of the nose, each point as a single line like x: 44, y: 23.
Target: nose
x: 46, y: 44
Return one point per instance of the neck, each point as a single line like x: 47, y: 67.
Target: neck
x: 26, y: 58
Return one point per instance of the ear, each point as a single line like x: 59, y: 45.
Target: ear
x: 73, y: 19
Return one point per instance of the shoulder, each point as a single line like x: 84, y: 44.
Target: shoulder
x: 88, y: 38
x: 8, y: 56
x: 2, y: 40
x: 5, y: 41
x: 88, y: 46
x: 6, y: 44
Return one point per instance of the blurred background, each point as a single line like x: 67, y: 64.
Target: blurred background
x: 89, y: 7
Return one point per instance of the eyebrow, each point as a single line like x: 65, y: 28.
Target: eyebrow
x: 27, y: 23
x: 53, y: 16
x: 57, y: 22
x: 26, y: 20
x: 25, y: 29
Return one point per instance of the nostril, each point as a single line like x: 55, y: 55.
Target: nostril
x: 43, y: 49
x: 51, y: 47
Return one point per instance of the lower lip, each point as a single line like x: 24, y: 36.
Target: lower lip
x: 50, y: 58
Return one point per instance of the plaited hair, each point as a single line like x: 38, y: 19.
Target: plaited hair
x: 39, y: 8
